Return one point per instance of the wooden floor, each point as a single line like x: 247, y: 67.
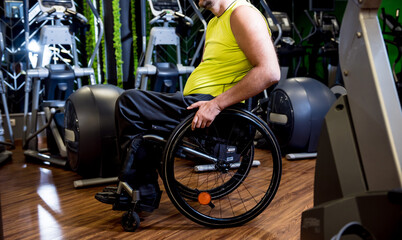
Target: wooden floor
x: 40, y: 202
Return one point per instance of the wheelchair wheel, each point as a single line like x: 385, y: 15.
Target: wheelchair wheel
x: 130, y: 221
x: 215, y: 176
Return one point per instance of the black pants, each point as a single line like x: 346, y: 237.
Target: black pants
x: 143, y: 112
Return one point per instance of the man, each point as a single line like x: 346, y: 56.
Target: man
x: 239, y: 62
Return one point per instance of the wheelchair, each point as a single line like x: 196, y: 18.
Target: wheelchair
x: 214, y: 176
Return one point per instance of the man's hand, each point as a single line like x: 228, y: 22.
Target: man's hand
x: 207, y: 111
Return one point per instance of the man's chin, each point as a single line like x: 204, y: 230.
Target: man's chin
x: 205, y: 4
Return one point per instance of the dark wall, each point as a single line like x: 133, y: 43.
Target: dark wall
x: 110, y: 52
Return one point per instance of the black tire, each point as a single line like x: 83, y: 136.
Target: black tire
x: 236, y: 195
x: 130, y: 221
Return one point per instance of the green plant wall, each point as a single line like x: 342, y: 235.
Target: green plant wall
x: 135, y: 38
x: 103, y: 45
x: 90, y: 37
x: 117, y: 41
x: 90, y: 41
x: 126, y: 16
x: 390, y: 7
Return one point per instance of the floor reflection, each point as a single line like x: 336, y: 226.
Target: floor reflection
x: 47, y: 190
x: 49, y: 228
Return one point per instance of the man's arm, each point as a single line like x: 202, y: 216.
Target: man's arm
x: 251, y: 33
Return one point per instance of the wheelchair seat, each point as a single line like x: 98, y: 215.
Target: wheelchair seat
x: 214, y: 176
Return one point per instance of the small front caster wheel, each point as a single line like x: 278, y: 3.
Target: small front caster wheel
x: 130, y: 221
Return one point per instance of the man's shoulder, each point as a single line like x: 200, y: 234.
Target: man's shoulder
x: 244, y: 11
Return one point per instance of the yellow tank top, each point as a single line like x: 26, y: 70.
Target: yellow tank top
x: 224, y: 63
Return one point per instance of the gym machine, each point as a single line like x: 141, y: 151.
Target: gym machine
x: 324, y: 40
x: 358, y: 176
x: 4, y: 154
x: 165, y: 75
x: 57, y: 76
x: 90, y: 134
x: 297, y: 105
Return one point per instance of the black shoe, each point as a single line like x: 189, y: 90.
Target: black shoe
x: 106, y: 197
x: 110, y: 197
x: 110, y: 189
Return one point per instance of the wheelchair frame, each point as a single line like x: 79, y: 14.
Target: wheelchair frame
x: 185, y: 197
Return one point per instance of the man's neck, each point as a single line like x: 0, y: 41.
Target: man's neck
x: 221, y: 7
